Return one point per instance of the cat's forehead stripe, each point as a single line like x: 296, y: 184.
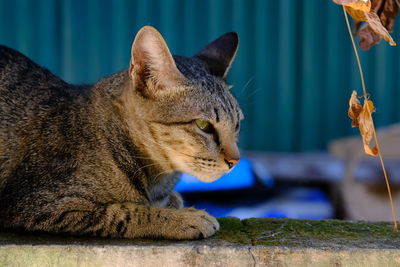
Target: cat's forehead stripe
x: 219, y: 101
x: 216, y: 115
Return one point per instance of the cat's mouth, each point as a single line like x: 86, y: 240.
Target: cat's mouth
x: 209, y: 175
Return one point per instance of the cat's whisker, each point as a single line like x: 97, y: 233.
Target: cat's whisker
x: 247, y: 84
x: 161, y: 173
x: 253, y: 93
x: 155, y: 164
x: 151, y: 159
x: 161, y: 161
x: 143, y: 167
x: 163, y: 146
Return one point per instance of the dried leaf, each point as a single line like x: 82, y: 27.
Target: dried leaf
x: 387, y: 12
x: 356, y: 14
x: 344, y: 2
x: 368, y: 38
x: 361, y: 118
x: 354, y: 109
x: 380, y: 18
x: 375, y: 23
x: 358, y: 5
x: 366, y: 126
x: 377, y: 4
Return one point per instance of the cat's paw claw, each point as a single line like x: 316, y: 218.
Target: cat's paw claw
x: 196, y: 224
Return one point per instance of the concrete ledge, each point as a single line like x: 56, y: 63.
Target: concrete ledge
x: 253, y: 242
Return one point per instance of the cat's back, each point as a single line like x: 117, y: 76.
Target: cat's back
x: 20, y: 76
x: 31, y: 97
x: 38, y: 112
x: 27, y: 88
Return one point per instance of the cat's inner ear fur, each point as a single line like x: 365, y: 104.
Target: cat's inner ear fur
x: 219, y: 54
x: 152, y: 67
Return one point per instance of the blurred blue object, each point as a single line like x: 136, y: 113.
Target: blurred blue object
x: 295, y: 203
x: 240, y: 177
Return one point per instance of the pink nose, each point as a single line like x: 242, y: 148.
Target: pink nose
x: 231, y: 162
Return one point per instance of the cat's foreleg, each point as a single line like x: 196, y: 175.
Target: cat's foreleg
x: 130, y: 220
x: 175, y: 201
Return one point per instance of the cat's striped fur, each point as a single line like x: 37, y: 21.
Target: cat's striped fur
x: 103, y: 160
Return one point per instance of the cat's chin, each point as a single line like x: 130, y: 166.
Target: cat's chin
x: 208, y: 178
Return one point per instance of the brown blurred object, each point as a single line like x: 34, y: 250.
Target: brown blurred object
x: 387, y: 11
x: 361, y: 199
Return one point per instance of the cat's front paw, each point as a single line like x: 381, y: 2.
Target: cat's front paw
x: 194, y: 224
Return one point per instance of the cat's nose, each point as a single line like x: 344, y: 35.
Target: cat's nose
x: 231, y: 162
x: 231, y: 155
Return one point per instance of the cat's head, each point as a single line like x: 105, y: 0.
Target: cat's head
x: 189, y: 120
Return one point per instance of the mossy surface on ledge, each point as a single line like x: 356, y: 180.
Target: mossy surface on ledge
x: 252, y: 232
x: 308, y: 233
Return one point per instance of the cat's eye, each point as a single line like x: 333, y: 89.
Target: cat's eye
x: 237, y: 127
x: 205, y: 126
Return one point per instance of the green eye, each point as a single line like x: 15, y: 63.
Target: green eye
x: 205, y: 126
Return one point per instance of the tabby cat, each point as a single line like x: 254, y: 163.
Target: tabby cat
x: 103, y: 159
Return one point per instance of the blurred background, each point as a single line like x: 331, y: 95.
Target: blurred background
x: 293, y: 76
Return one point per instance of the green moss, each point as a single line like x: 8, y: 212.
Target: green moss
x: 232, y: 231
x: 290, y: 232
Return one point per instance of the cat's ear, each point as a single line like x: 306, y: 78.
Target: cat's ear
x: 219, y: 54
x: 152, y: 64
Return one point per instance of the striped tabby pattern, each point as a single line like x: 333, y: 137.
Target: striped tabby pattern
x: 103, y: 159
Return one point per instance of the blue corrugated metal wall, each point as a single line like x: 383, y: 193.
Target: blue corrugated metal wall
x: 293, y: 75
